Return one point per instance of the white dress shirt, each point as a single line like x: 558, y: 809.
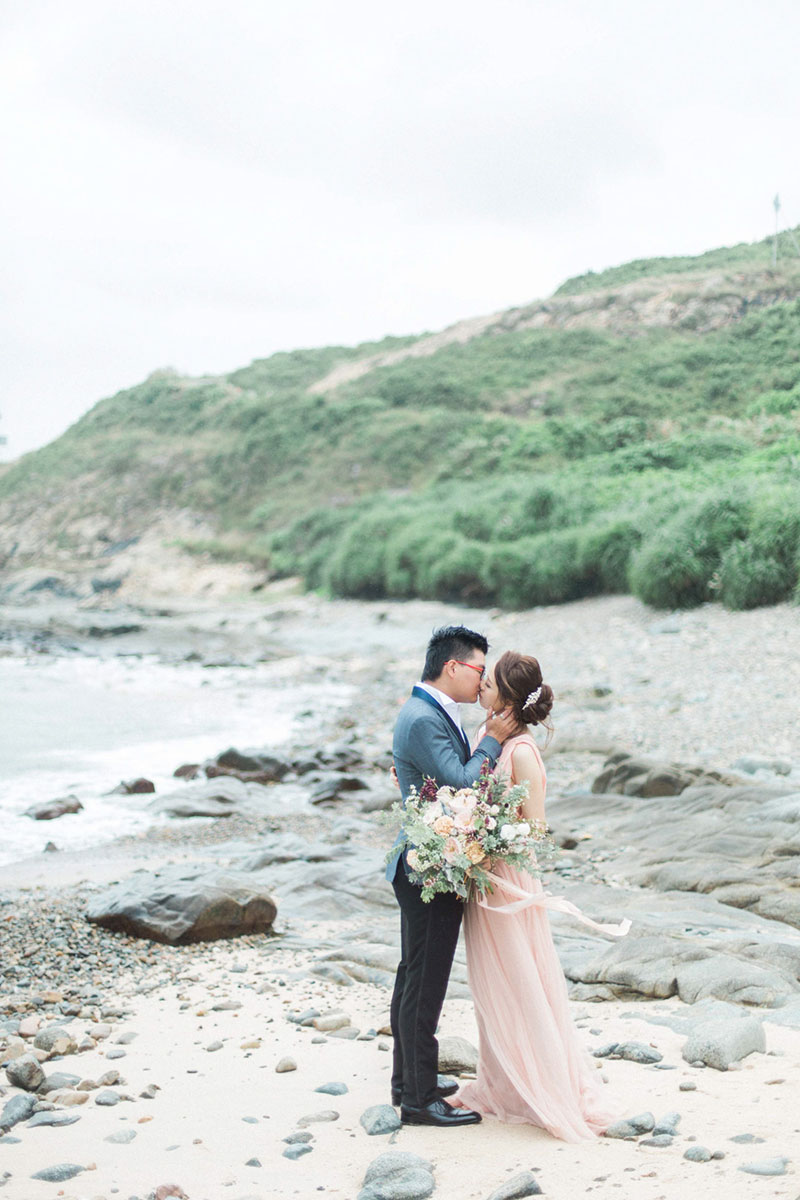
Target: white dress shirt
x: 450, y: 706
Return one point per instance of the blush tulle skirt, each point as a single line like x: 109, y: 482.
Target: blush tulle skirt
x: 533, y: 1068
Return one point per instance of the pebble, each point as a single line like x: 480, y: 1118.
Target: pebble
x: 59, y: 1173
x: 107, y: 1099
x: 399, y: 1174
x: 212, y: 1046
x: 125, y: 1039
x: 52, y: 1118
x: 658, y: 1139
x: 525, y: 1184
x: 637, y: 1052
x: 299, y: 1138
x: 285, y: 1064
x: 380, y: 1118
x: 631, y: 1127
x: 697, y: 1154
x: 667, y: 1124
x: 122, y: 1137
x: 766, y: 1166
x: 67, y: 1097
x: 303, y: 1018
x: 25, y: 1073
x: 253, y: 1162
x: 116, y: 1052
x: 297, y: 1151
x: 55, y: 1039
x: 746, y: 1139
x: 18, y: 1108
x: 327, y: 1114
x: 330, y: 1022
x: 59, y: 1079
x: 333, y: 1089
x: 349, y: 1033
x: 688, y: 1085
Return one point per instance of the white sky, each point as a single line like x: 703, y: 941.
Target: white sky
x: 197, y: 183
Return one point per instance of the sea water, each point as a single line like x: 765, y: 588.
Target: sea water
x: 79, y: 725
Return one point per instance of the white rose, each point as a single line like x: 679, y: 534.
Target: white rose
x: 507, y: 832
x: 523, y: 829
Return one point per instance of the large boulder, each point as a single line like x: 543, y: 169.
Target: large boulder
x: 185, y: 904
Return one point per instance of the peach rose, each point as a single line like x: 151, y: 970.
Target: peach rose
x: 464, y: 819
x: 443, y: 825
x: 475, y: 853
x: 413, y: 860
x: 451, y: 850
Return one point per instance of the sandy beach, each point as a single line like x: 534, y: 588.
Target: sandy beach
x: 195, y: 1032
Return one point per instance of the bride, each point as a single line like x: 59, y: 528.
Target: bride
x: 532, y: 1067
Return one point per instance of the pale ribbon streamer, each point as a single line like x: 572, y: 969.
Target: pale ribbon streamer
x: 542, y: 900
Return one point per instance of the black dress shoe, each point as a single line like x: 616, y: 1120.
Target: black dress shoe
x: 439, y: 1112
x: 448, y: 1089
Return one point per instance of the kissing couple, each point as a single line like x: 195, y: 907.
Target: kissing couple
x: 532, y: 1067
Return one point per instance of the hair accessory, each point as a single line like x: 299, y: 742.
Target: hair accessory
x: 532, y: 698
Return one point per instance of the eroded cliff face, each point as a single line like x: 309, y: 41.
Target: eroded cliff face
x: 693, y: 304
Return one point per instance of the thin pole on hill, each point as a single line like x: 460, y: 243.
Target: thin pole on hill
x: 776, y: 204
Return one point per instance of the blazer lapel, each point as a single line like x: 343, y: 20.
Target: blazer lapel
x: 421, y: 694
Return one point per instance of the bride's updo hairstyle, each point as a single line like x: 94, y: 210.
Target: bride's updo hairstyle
x: 519, y: 682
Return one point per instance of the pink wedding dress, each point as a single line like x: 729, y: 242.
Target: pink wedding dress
x: 532, y: 1067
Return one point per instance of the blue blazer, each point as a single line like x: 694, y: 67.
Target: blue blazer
x: 427, y: 742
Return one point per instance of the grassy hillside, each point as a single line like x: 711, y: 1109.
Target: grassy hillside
x: 639, y: 431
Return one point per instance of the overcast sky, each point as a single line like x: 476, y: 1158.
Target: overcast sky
x: 196, y: 184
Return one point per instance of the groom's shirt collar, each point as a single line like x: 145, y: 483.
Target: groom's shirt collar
x: 450, y: 706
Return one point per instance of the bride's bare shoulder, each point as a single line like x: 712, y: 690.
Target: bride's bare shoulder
x: 525, y: 758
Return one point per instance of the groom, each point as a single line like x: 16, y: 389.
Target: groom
x: 429, y: 741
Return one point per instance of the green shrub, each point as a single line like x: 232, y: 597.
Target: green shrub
x: 667, y: 572
x: 749, y: 578
x: 455, y: 574
x: 604, y: 553
x: 674, y: 568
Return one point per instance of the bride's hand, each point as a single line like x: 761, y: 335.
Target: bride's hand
x: 501, y: 725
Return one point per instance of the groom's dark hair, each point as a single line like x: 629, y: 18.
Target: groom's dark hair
x: 451, y: 641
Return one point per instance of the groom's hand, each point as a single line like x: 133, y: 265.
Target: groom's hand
x: 502, y: 725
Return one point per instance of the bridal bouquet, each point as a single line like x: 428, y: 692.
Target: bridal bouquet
x: 451, y: 836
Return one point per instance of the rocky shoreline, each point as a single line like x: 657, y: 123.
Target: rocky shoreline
x: 696, y: 839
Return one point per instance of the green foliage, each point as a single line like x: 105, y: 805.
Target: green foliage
x: 745, y: 256
x: 675, y: 567
x: 525, y: 465
x: 749, y: 578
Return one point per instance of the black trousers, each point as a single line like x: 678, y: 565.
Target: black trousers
x: 429, y: 935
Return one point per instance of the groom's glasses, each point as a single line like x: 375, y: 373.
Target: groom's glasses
x: 481, y: 670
